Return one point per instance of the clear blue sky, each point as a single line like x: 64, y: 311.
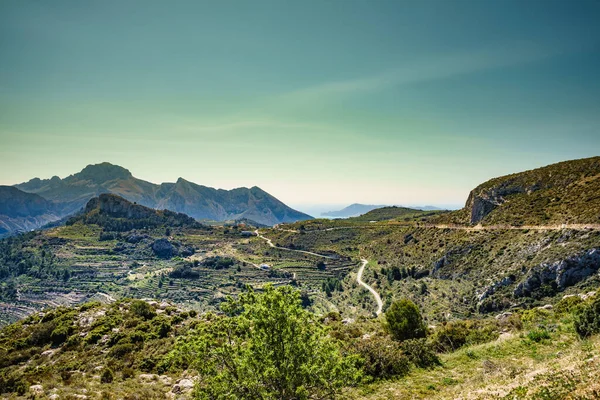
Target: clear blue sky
x: 398, y: 102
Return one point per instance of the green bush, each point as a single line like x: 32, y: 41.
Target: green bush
x: 107, y: 376
x: 536, y: 315
x: 567, y: 305
x: 120, y: 350
x: 420, y: 353
x: 404, y: 320
x: 274, y: 349
x: 60, y: 334
x: 41, y: 333
x: 587, y: 318
x: 450, y: 337
x: 142, y: 309
x: 454, y: 335
x: 538, y: 334
x: 382, y: 357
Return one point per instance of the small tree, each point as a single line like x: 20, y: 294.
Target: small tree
x: 142, y: 309
x: 404, y: 320
x: 268, y: 347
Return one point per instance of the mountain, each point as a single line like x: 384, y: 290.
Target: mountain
x: 564, y: 193
x: 20, y: 211
x: 352, y: 210
x: 197, y: 201
x: 114, y: 213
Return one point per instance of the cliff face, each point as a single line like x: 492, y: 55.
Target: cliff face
x: 482, y: 201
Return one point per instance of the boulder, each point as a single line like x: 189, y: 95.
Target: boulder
x: 36, y: 390
x: 183, y: 386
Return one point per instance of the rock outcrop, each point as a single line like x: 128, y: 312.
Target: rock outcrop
x: 560, y: 274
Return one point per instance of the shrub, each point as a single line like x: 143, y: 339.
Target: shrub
x: 538, y: 334
x: 420, y: 353
x: 127, y: 373
x: 142, y: 309
x: 382, y: 357
x: 41, y: 333
x: 450, y: 336
x: 454, y: 335
x: 273, y: 348
x: 587, y: 318
x: 567, y: 304
x: 107, y: 376
x: 60, y: 334
x: 536, y: 315
x: 404, y: 320
x: 120, y: 350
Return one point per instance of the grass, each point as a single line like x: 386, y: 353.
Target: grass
x: 511, y: 367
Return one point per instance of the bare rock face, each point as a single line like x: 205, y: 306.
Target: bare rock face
x: 481, y: 202
x: 561, y: 273
x: 481, y: 207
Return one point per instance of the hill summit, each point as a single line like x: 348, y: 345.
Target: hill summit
x: 561, y: 193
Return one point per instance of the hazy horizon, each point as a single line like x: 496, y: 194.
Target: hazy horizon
x: 318, y: 103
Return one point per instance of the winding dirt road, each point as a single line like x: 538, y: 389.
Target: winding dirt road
x: 270, y: 243
x: 361, y: 270
x: 369, y: 288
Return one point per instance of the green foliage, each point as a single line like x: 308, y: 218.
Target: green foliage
x: 567, y: 305
x: 331, y: 285
x: 536, y: 315
x: 382, y: 357
x: 268, y: 347
x: 107, y: 376
x: 420, y: 352
x: 142, y: 309
x: 404, y: 320
x: 587, y: 318
x: 453, y: 335
x: 538, y: 334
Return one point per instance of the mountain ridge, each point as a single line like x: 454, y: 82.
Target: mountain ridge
x: 197, y: 201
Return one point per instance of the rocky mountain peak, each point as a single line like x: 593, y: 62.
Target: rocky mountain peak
x: 103, y: 172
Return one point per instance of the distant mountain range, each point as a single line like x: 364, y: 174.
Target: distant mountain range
x: 34, y: 203
x: 356, y: 209
x: 353, y: 210
x: 20, y: 211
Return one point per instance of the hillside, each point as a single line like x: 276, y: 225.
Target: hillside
x: 197, y: 201
x: 389, y: 213
x: 496, y: 298
x: 114, y: 213
x: 22, y: 212
x: 564, y: 193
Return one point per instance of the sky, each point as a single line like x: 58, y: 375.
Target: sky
x: 320, y: 103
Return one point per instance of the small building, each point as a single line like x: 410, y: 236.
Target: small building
x: 248, y: 233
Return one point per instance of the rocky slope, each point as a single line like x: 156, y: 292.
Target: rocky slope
x: 197, y: 201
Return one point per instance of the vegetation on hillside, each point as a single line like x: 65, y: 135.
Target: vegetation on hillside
x: 265, y: 345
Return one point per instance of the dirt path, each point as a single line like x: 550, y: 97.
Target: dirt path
x: 369, y: 288
x: 270, y: 243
